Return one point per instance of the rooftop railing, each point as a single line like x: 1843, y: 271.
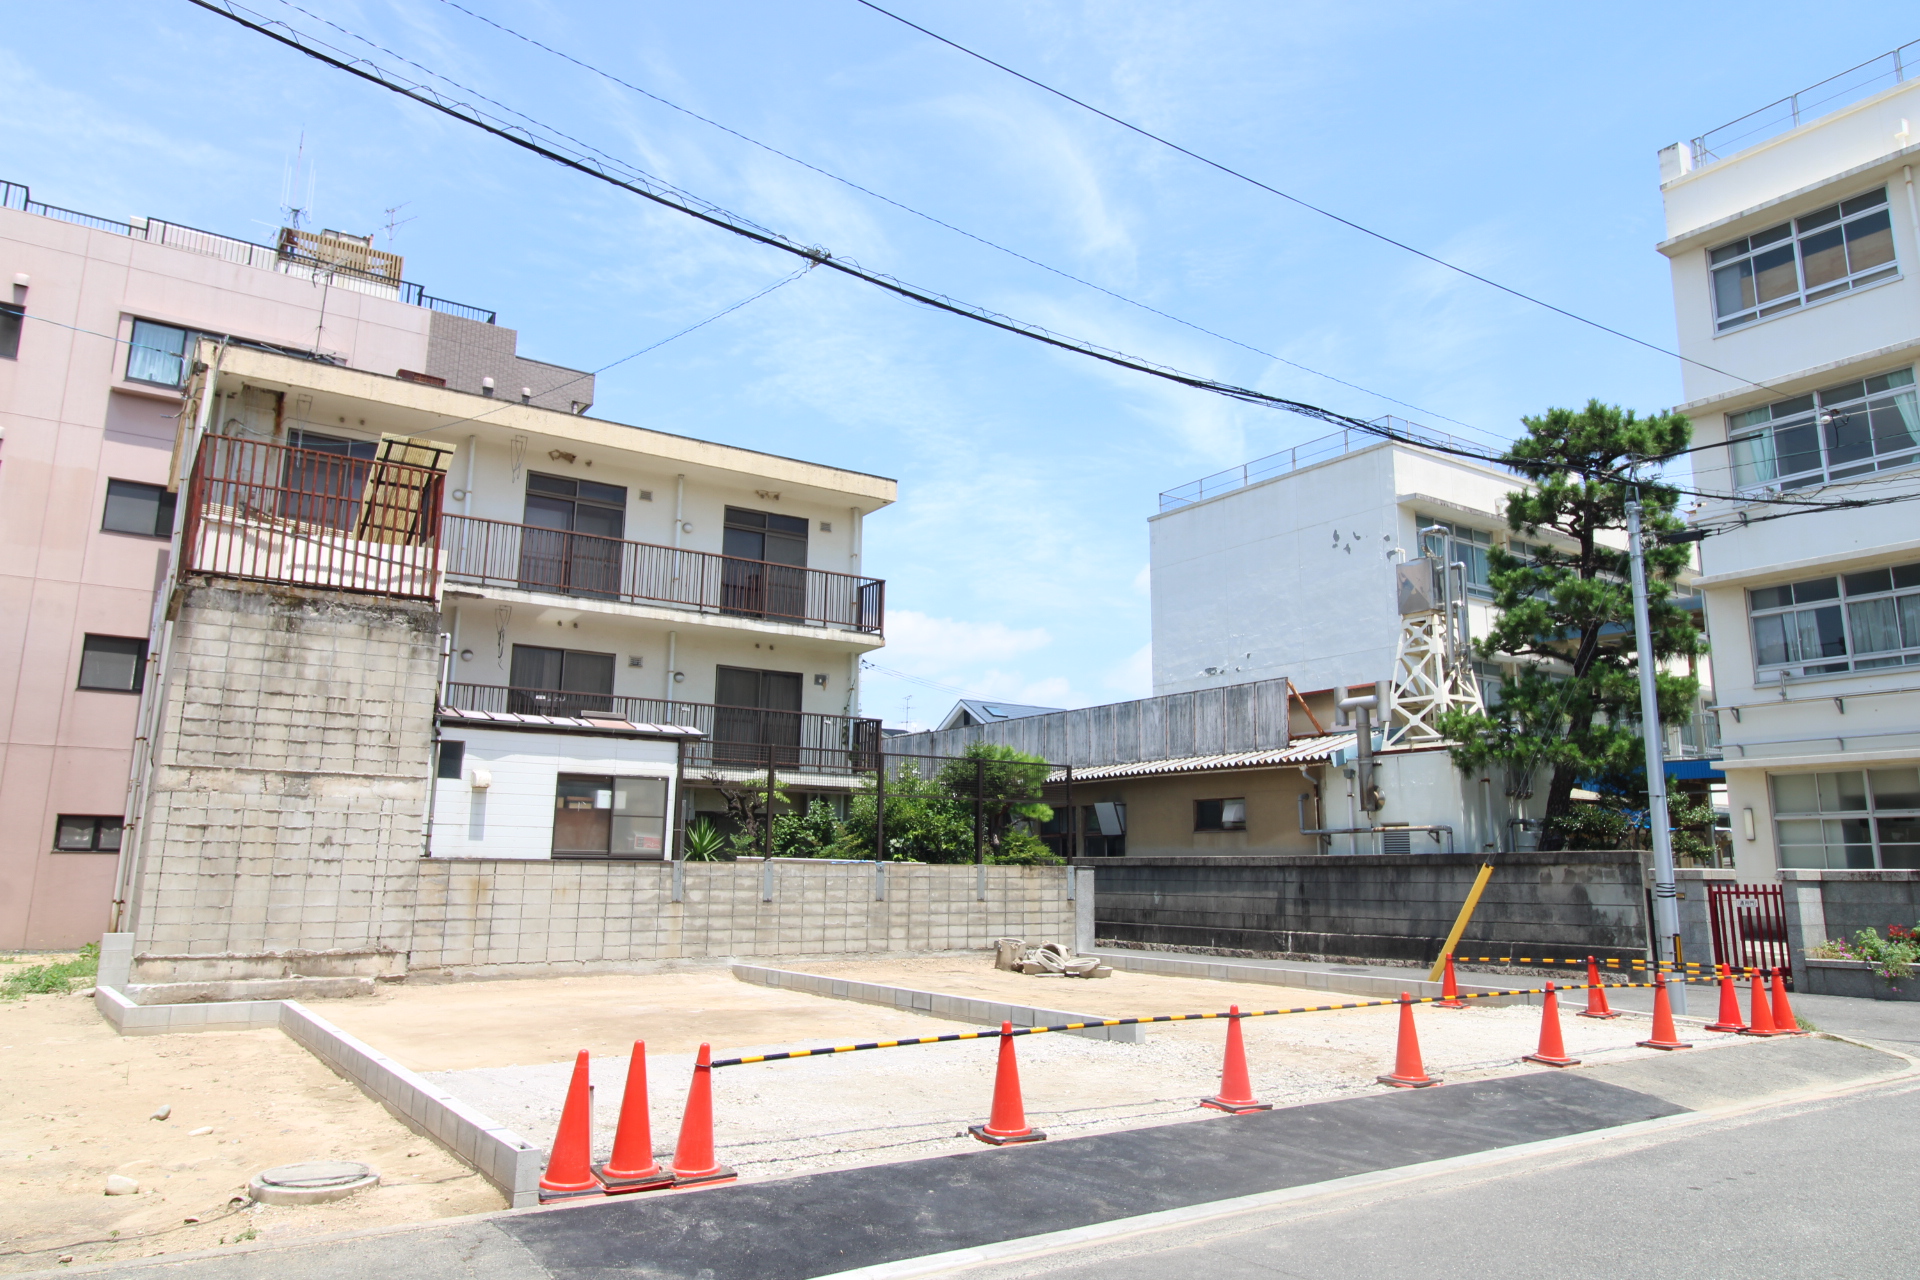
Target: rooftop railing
x: 266, y: 512
x: 291, y: 261
x: 496, y: 553
x: 1790, y: 112
x: 737, y: 738
x: 1302, y: 455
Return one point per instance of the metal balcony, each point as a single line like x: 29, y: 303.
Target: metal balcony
x: 737, y: 738
x: 493, y: 553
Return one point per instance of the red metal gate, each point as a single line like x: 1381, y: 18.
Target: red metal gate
x: 1749, y: 926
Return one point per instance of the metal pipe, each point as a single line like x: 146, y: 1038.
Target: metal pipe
x: 1362, y: 709
x: 1666, y: 907
x: 1305, y: 830
x: 466, y: 494
x: 433, y: 752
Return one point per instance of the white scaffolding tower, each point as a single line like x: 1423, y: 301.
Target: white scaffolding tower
x: 1432, y: 668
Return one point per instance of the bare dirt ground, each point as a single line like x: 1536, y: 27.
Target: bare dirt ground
x: 521, y: 1021
x: 78, y: 1098
x: 891, y: 1104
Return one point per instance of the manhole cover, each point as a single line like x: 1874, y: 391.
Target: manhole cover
x: 314, y: 1182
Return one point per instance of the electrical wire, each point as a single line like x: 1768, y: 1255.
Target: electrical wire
x: 1304, y: 204
x: 939, y: 222
x: 661, y: 193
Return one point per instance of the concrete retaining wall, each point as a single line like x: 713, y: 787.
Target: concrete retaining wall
x: 486, y: 917
x: 1374, y: 907
x: 979, y: 1013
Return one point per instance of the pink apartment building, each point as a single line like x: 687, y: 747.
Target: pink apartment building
x: 97, y: 322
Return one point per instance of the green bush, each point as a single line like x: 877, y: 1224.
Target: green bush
x: 704, y: 842
x: 1892, y: 958
x: 52, y: 979
x: 806, y: 835
x: 1021, y: 848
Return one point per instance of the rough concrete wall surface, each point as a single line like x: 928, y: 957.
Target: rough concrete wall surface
x: 1856, y: 900
x: 1372, y: 906
x: 516, y: 917
x: 289, y: 786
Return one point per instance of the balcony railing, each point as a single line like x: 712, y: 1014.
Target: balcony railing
x: 493, y: 553
x: 737, y: 737
x: 269, y: 513
x: 1304, y: 455
x: 1851, y: 85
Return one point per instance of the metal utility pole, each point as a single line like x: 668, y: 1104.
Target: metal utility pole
x: 1666, y: 907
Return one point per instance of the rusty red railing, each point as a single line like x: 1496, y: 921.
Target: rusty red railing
x: 1749, y: 924
x: 268, y: 512
x: 496, y: 553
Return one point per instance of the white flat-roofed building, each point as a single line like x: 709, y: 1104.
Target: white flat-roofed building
x: 1793, y: 241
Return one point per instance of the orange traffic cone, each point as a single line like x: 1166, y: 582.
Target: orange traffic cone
x: 1784, y: 1023
x: 693, y: 1160
x: 1552, y: 1051
x: 569, y: 1174
x: 1760, y: 1021
x: 1236, y: 1090
x: 632, y: 1167
x: 1008, y: 1122
x: 1729, y: 1019
x: 1664, y: 1036
x: 1408, y: 1073
x: 1597, y: 1006
x: 1449, y: 989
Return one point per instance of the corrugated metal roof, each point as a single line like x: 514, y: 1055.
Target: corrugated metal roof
x: 1301, y: 751
x: 513, y: 719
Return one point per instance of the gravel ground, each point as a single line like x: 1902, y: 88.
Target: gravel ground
x: 893, y: 1104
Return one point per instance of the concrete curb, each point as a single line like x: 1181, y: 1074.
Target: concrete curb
x: 1353, y: 984
x: 492, y: 1150
x: 968, y: 1009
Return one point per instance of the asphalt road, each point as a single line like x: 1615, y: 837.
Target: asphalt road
x: 1819, y: 1188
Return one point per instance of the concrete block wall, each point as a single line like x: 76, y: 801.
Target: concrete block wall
x: 288, y: 788
x: 1374, y: 906
x: 487, y: 916
x: 1820, y: 905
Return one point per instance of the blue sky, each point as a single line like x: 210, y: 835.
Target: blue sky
x: 1512, y: 139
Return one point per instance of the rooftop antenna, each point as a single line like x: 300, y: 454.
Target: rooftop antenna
x: 909, y: 713
x: 296, y: 209
x: 394, y: 222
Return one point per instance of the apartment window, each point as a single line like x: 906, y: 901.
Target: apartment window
x: 572, y: 539
x: 1853, y: 819
x: 1219, y: 815
x: 1848, y: 622
x: 559, y: 682
x: 1838, y: 434
x: 116, y: 664
x: 143, y: 509
x: 607, y: 817
x: 157, y: 354
x: 79, y: 833
x: 1459, y: 545
x: 11, y: 318
x: 1821, y: 255
x: 453, y: 756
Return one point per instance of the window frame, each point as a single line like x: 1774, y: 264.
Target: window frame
x: 139, y: 664
x: 94, y: 845
x: 163, y: 512
x: 1869, y: 812
x: 1850, y: 591
x: 1464, y: 544
x: 1855, y: 411
x: 1217, y: 817
x: 662, y: 833
x: 13, y: 323
x: 135, y: 345
x: 1794, y: 234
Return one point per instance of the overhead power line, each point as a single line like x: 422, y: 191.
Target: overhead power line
x: 618, y: 173
x: 940, y: 222
x: 1304, y: 204
x: 659, y: 192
